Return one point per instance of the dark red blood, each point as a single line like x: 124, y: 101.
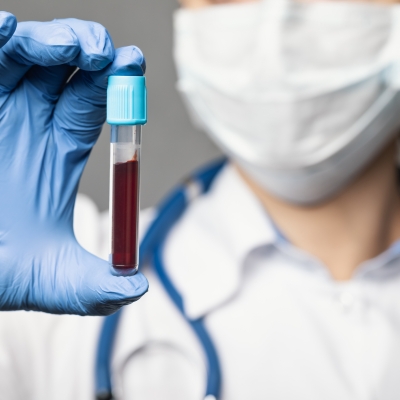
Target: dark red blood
x: 125, y: 215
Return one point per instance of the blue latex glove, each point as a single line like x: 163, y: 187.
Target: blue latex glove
x: 47, y: 130
x: 8, y: 24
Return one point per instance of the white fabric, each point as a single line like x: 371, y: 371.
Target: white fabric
x: 283, y: 328
x: 301, y: 94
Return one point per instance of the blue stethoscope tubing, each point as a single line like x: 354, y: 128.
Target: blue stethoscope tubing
x: 151, y: 250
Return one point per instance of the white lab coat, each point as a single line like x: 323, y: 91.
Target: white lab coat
x: 282, y: 327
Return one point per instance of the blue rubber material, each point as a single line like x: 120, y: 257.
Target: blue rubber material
x: 104, y: 354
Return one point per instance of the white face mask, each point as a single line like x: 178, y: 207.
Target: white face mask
x: 301, y: 96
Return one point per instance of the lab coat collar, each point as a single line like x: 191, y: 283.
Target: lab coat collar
x: 384, y: 265
x: 207, y: 249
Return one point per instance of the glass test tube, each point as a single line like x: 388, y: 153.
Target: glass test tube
x: 126, y: 113
x: 124, y: 197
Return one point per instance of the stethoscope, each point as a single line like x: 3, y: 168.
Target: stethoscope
x: 169, y: 211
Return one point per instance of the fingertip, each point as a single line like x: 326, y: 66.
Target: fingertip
x: 97, y: 48
x: 107, y: 52
x: 8, y: 25
x: 98, y: 61
x: 144, y: 66
x: 128, y: 61
x: 121, y: 291
x: 139, y: 282
x: 140, y: 57
x: 133, y: 286
x: 100, y: 49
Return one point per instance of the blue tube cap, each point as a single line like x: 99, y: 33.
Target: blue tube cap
x: 126, y: 100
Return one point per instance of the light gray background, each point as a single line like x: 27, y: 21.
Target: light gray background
x: 171, y: 146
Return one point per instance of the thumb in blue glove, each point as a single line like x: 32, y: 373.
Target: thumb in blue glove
x: 49, y: 123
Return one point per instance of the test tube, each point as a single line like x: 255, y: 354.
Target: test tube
x: 126, y: 113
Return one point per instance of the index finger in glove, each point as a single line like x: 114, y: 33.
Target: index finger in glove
x: 96, y: 51
x: 97, y: 48
x: 40, y: 43
x: 81, y: 109
x: 84, y: 44
x: 8, y: 24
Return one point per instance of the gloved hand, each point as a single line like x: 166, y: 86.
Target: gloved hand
x: 48, y: 126
x: 8, y: 23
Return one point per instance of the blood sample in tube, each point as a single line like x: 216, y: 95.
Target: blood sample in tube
x: 125, y: 208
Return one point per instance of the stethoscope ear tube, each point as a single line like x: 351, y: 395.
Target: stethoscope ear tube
x: 213, y: 366
x: 104, y: 354
x: 172, y: 207
x: 169, y: 211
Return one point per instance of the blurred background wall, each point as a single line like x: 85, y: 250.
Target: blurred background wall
x: 171, y: 146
